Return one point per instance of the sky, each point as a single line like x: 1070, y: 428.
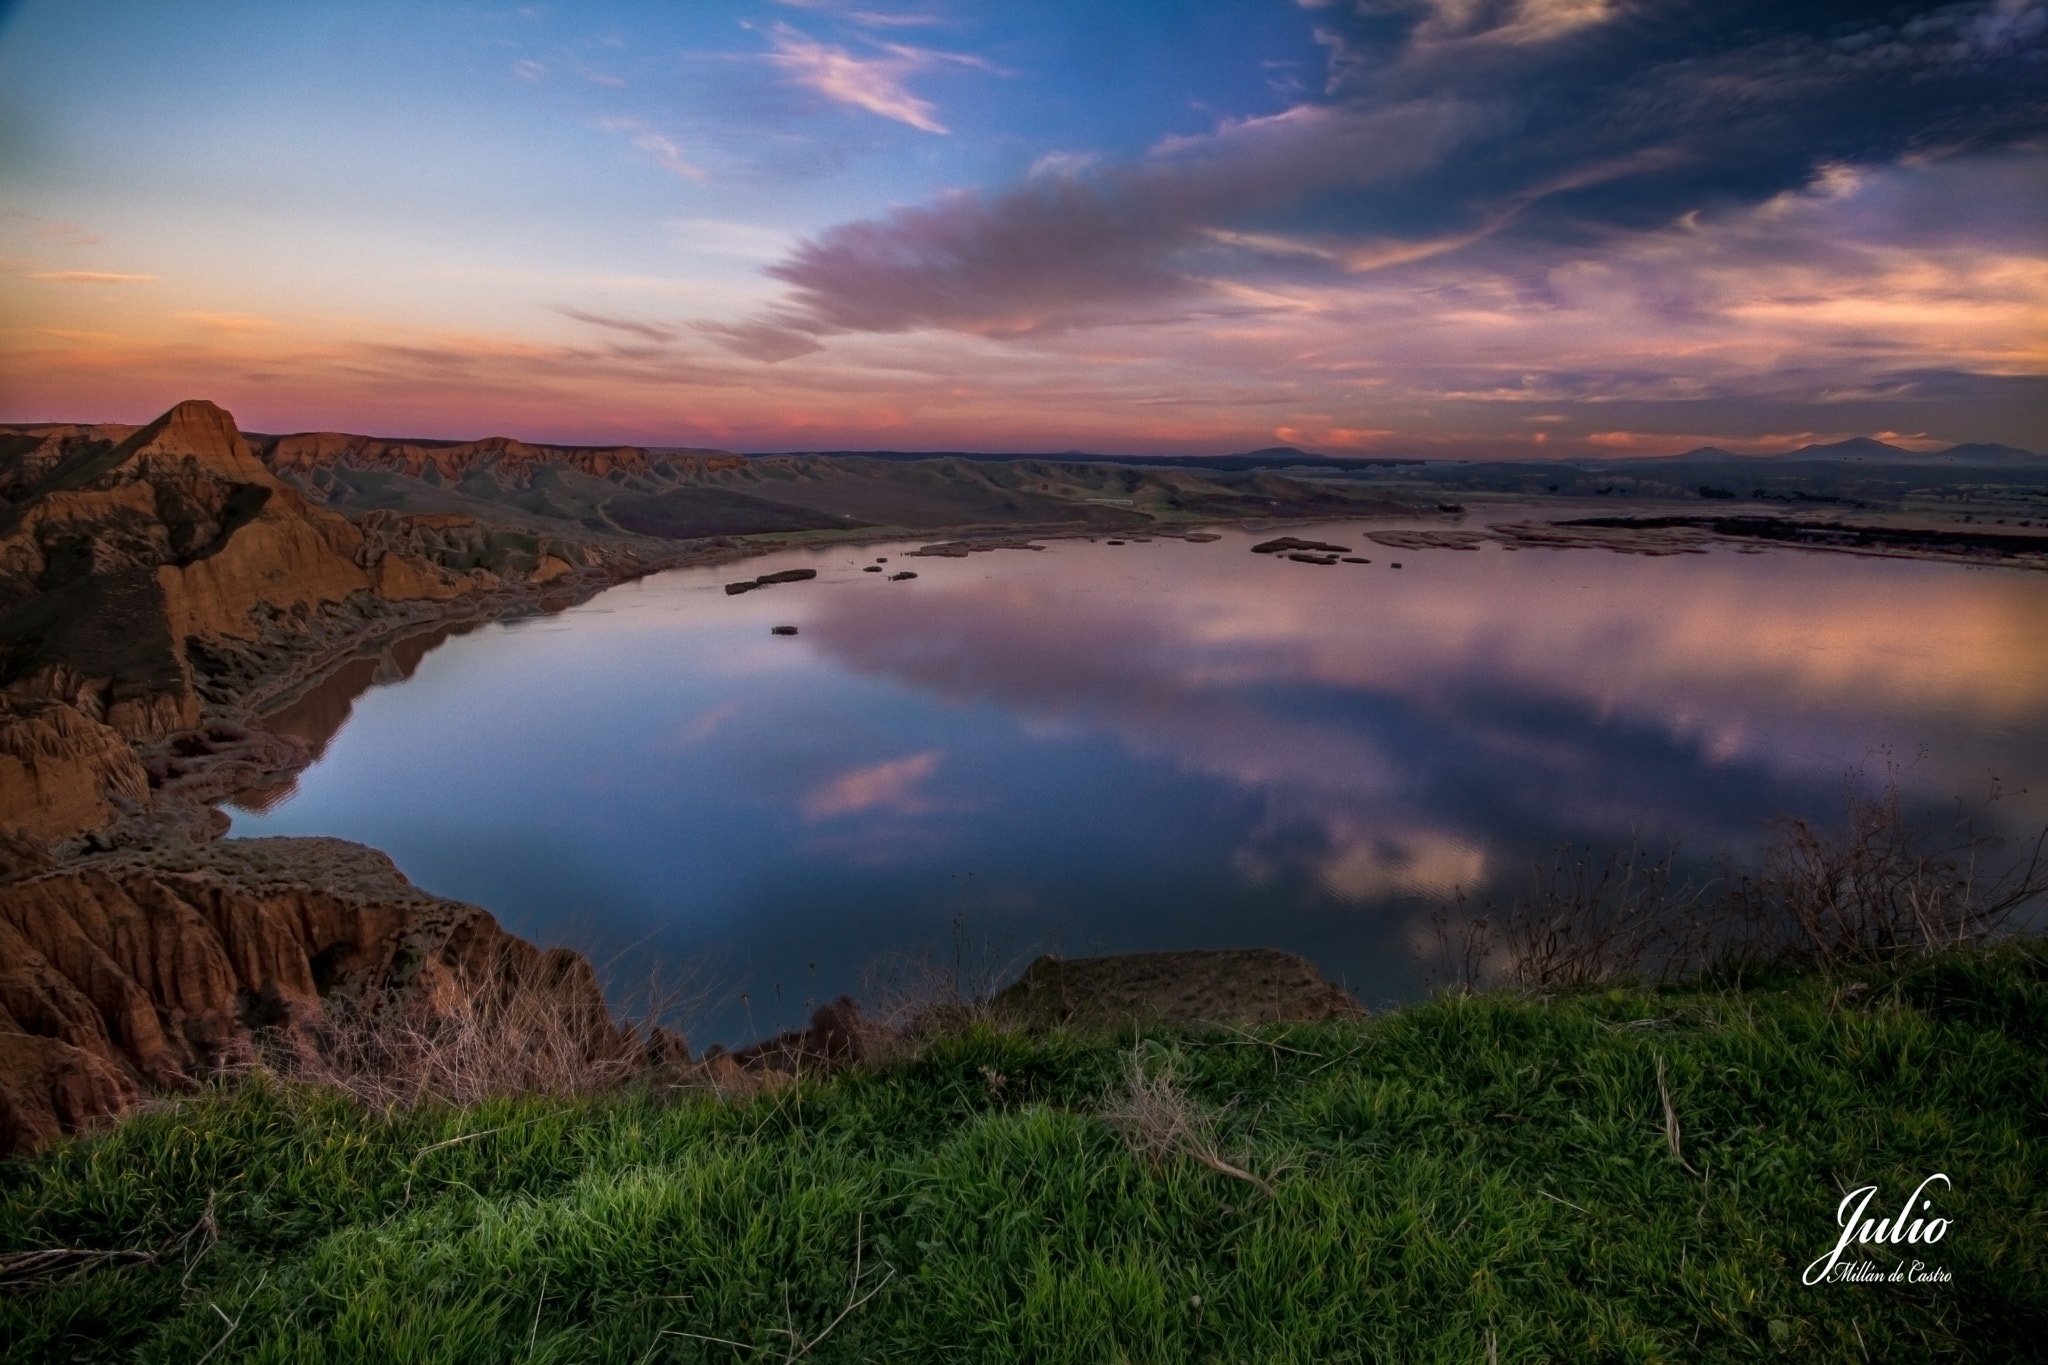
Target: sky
x: 1453, y: 228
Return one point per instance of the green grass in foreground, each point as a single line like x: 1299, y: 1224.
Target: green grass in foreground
x: 1467, y: 1170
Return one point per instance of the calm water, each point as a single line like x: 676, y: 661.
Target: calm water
x: 1108, y: 748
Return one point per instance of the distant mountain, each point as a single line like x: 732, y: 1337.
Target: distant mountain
x: 1271, y: 457
x: 1987, y: 452
x: 1864, y: 450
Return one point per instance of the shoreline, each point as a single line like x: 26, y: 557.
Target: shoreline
x: 289, y: 601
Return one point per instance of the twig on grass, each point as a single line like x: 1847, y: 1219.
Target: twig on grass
x: 699, y: 1336
x: 233, y: 1323
x: 799, y: 1346
x: 47, y: 1266
x: 22, y: 1269
x: 207, y: 1226
x: 1671, y: 1120
x: 853, y: 1304
x: 534, y: 1335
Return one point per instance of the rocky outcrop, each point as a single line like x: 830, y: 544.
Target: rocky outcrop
x: 127, y: 974
x: 1235, y: 986
x: 61, y: 771
x: 29, y: 453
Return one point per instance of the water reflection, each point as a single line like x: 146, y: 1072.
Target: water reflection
x: 1158, y: 745
x: 317, y: 714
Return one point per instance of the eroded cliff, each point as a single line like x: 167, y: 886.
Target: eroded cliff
x: 130, y: 973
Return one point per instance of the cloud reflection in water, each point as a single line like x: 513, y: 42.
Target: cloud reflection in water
x: 1159, y: 745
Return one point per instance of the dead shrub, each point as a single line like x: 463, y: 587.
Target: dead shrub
x: 1879, y: 884
x: 1587, y: 919
x: 1160, y: 1121
x: 516, y: 1023
x: 1884, y: 884
x: 1582, y: 919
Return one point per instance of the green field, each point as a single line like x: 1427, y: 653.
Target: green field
x: 1472, y: 1179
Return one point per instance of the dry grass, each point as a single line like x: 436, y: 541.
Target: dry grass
x: 517, y: 1024
x: 1160, y: 1121
x: 914, y: 997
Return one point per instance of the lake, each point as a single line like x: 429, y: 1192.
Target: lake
x: 1105, y: 748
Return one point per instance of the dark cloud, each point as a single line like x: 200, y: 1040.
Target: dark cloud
x: 1556, y: 123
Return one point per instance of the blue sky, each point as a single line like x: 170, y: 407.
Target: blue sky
x: 1504, y: 227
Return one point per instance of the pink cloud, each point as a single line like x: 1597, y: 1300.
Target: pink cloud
x: 890, y: 786
x: 89, y: 277
x: 873, y: 83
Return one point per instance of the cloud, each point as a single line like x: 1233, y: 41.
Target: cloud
x: 763, y: 339
x: 724, y: 237
x: 52, y: 229
x: 657, y: 145
x: 698, y: 728
x: 890, y: 786
x: 530, y: 72
x: 1520, y: 22
x: 646, y: 330
x: 231, y: 322
x: 866, y: 18
x: 1869, y: 302
x: 873, y: 83
x: 1444, y: 126
x: 89, y: 277
x: 668, y: 155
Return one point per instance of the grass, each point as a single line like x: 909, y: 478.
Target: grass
x: 1478, y: 1178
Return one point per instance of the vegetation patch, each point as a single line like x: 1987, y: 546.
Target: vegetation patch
x: 1613, y: 1173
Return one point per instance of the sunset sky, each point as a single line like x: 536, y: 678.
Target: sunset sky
x: 1451, y: 227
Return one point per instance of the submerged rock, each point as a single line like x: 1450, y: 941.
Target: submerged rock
x: 1289, y: 545
x: 960, y: 549
x: 769, y: 580
x: 1428, y: 540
